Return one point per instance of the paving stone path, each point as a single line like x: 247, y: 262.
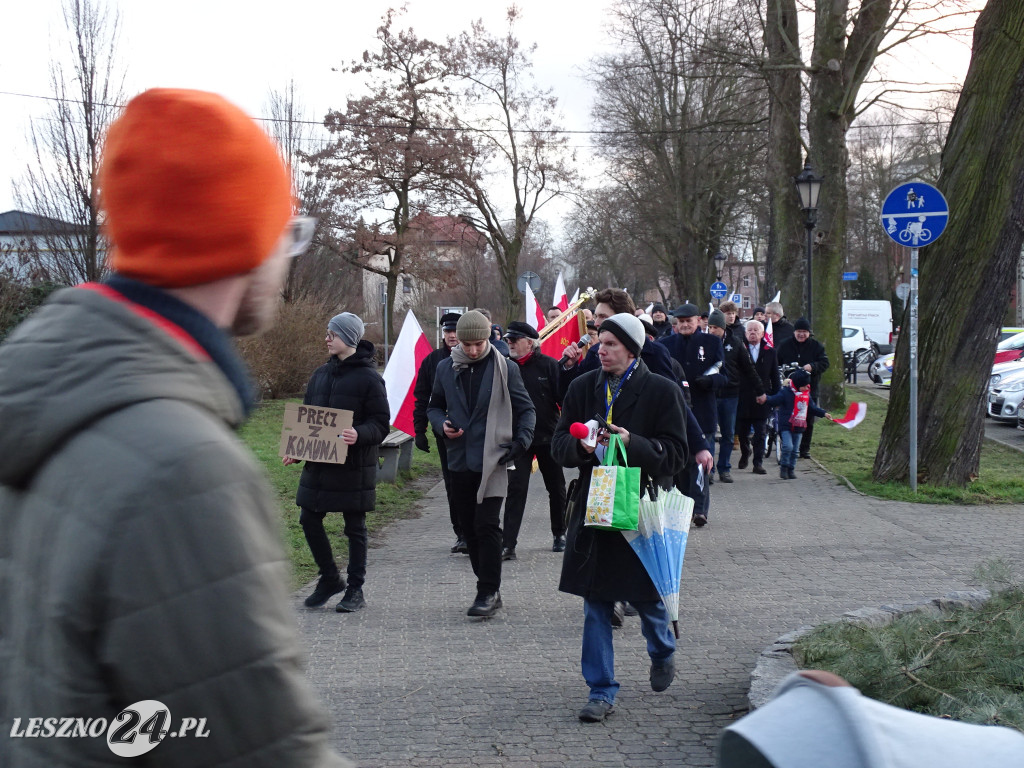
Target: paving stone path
x: 410, y: 680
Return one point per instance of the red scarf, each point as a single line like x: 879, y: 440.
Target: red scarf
x: 801, y: 401
x: 522, y: 360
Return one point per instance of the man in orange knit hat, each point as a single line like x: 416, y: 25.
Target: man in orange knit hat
x: 142, y: 579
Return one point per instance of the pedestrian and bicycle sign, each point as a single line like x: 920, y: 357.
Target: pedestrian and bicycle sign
x: 719, y: 290
x: 914, y: 214
x: 849, y: 275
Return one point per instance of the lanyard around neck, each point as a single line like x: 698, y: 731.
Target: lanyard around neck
x: 610, y: 398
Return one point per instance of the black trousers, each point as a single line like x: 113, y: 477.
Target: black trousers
x: 481, y: 528
x: 355, y: 531
x: 519, y: 485
x: 442, y: 453
x: 743, y: 426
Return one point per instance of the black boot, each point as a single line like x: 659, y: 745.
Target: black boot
x: 327, y: 586
x: 352, y: 601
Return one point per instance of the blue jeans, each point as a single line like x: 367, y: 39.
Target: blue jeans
x: 790, y: 445
x: 598, y: 658
x: 727, y: 426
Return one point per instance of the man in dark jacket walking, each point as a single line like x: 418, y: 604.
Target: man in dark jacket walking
x: 421, y: 395
x: 480, y: 404
x: 809, y: 354
x: 348, y: 381
x: 540, y: 376
x: 647, y: 412
x: 751, y: 412
x: 781, y: 327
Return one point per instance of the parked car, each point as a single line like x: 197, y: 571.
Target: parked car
x: 1020, y: 416
x: 1005, y: 398
x: 1001, y: 370
x: 855, y: 340
x: 1006, y: 332
x: 1009, y: 348
x: 880, y: 371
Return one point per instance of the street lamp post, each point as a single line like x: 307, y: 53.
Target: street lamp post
x: 719, y: 263
x: 809, y: 185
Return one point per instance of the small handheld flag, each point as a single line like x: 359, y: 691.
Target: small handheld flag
x: 854, y: 415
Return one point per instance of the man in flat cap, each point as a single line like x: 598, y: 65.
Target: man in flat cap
x: 540, y: 376
x: 140, y: 544
x: 421, y: 394
x: 480, y: 405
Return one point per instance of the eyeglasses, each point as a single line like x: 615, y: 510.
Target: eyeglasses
x: 299, y: 232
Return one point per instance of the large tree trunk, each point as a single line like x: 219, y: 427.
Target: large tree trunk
x: 961, y: 308
x: 783, y: 272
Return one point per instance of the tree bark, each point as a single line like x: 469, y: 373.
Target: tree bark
x: 962, y: 306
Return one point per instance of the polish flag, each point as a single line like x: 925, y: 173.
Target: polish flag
x: 403, y: 366
x: 561, y: 297
x: 575, y: 298
x: 534, y: 314
x: 854, y: 415
x: 769, y: 339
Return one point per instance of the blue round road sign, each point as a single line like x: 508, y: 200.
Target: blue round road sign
x: 719, y: 290
x: 915, y: 214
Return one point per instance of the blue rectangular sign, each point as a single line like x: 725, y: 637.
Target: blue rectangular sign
x: 849, y: 275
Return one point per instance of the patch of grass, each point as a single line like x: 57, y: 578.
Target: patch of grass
x: 262, y: 433
x: 851, y: 453
x: 966, y: 664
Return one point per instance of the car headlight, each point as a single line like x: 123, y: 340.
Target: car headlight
x: 1016, y: 386
x: 994, y: 380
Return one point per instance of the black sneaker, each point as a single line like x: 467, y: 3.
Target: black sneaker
x: 759, y: 470
x: 662, y: 674
x: 700, y: 520
x: 327, y: 586
x: 352, y: 601
x: 485, y: 606
x: 508, y: 553
x: 628, y: 609
x: 618, y: 613
x: 559, y: 545
x: 596, y: 711
x: 725, y: 477
x: 460, y: 547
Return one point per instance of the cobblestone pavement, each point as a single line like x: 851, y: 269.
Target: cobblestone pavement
x: 410, y: 680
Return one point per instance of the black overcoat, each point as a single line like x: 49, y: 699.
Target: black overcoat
x: 600, y: 565
x: 354, y: 385
x: 767, y: 368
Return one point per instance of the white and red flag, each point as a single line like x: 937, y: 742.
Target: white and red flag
x: 769, y: 336
x: 403, y: 366
x: 534, y: 314
x: 854, y: 415
x: 575, y: 298
x: 561, y: 299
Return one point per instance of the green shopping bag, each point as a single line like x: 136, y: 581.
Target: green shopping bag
x: 613, y: 501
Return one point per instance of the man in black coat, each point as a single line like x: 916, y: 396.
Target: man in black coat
x: 348, y: 381
x: 738, y: 367
x: 540, y: 377
x: 751, y: 412
x: 702, y: 358
x: 659, y: 321
x: 810, y: 355
x: 421, y: 395
x: 600, y: 566
x: 781, y: 328
x: 480, y: 404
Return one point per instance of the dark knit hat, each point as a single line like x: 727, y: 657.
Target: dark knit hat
x: 194, y: 190
x: 347, y: 327
x: 686, y: 310
x: 473, y: 326
x: 658, y: 307
x: 800, y: 378
x: 758, y: 309
x: 518, y: 329
x: 801, y: 324
x: 628, y: 329
x: 717, y: 319
x: 449, y: 320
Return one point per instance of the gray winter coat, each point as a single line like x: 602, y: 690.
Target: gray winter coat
x: 140, y: 552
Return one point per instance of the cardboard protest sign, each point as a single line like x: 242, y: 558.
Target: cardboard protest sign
x: 314, y: 434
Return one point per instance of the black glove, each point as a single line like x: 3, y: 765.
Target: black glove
x: 513, y: 451
x: 422, y: 443
x: 702, y: 382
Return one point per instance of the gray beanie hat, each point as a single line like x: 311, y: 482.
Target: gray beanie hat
x: 473, y: 326
x: 717, y: 319
x: 628, y: 329
x: 347, y: 327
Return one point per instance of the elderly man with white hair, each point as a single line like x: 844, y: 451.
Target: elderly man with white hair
x: 751, y: 412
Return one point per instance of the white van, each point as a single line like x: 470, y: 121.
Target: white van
x: 875, y: 317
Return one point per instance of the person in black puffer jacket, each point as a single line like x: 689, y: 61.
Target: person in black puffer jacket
x: 349, y: 380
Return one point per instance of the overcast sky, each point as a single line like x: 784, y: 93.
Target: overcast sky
x: 243, y: 49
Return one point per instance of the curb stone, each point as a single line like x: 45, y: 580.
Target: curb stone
x: 776, y: 661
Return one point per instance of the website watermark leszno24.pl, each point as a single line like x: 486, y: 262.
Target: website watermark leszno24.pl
x: 133, y: 731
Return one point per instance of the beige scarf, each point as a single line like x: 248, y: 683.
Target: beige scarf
x: 494, y: 481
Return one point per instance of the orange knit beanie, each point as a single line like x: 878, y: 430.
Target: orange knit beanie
x: 193, y: 188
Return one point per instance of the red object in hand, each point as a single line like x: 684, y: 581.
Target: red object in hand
x: 578, y: 430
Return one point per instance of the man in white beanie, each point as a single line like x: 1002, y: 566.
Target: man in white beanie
x: 648, y: 413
